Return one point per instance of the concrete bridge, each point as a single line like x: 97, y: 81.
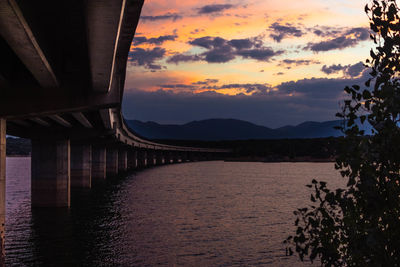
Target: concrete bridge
x: 62, y: 73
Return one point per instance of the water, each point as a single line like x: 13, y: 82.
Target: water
x: 192, y: 214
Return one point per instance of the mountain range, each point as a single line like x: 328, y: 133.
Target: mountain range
x: 232, y: 129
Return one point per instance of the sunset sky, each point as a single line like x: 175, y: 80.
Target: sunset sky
x: 269, y: 62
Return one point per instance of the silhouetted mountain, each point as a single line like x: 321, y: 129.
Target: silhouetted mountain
x: 231, y: 129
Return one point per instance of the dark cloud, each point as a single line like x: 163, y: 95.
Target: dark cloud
x: 178, y: 58
x: 354, y: 70
x: 208, y: 42
x: 209, y: 9
x: 315, y: 88
x: 167, y: 16
x: 211, y: 85
x: 195, y: 31
x: 248, y: 87
x: 146, y: 57
x: 178, y: 86
x: 326, y: 31
x: 297, y: 62
x: 220, y: 54
x: 280, y: 31
x: 332, y: 68
x: 294, y: 102
x: 348, y: 38
x: 261, y: 54
x: 220, y: 50
x: 157, y: 41
x: 241, y: 43
x: 336, y: 43
x: 206, y: 82
x: 361, y: 34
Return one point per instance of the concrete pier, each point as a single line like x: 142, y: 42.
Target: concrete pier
x: 50, y: 173
x: 142, y: 159
x: 99, y: 162
x: 174, y: 157
x: 112, y: 162
x: 81, y: 166
x: 122, y: 160
x: 159, y: 157
x: 132, y: 159
x: 2, y: 188
x: 150, y: 158
x: 184, y: 156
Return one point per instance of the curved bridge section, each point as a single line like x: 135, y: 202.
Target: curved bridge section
x: 62, y: 74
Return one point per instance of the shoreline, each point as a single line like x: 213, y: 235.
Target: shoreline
x: 284, y: 159
x: 247, y: 159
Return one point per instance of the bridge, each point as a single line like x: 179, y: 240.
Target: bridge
x: 62, y: 74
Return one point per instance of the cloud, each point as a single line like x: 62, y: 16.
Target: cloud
x: 196, y: 31
x: 332, y: 68
x: 241, y: 43
x: 212, y: 86
x: 178, y: 58
x: 206, y: 82
x: 166, y: 16
x: 284, y: 31
x: 220, y: 50
x: 208, y: 42
x: 349, y: 38
x: 248, y: 87
x: 315, y: 88
x: 288, y: 63
x: 178, y: 86
x: 326, y: 31
x: 216, y: 8
x: 219, y: 54
x: 292, y: 103
x: 354, y: 70
x: 156, y: 41
x: 146, y: 57
x: 260, y: 54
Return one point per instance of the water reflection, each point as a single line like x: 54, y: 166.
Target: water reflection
x: 195, y: 214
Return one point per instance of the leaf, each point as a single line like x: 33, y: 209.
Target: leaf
x: 366, y: 94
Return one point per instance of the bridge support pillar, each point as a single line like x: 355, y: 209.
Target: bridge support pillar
x: 132, y: 159
x: 150, y: 158
x: 175, y: 157
x: 112, y: 162
x: 2, y: 188
x: 159, y: 157
x: 99, y: 163
x: 122, y: 160
x: 184, y: 157
x: 192, y: 156
x: 50, y: 173
x: 167, y: 157
x: 142, y: 159
x: 81, y: 166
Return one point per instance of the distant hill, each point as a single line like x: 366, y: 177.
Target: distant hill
x: 231, y: 129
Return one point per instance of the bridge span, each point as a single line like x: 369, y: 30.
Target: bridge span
x: 62, y: 74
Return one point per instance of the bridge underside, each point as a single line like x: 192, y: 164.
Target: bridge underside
x: 62, y: 74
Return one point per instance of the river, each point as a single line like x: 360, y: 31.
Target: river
x: 193, y: 214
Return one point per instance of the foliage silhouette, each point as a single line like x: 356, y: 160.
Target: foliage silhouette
x: 360, y: 224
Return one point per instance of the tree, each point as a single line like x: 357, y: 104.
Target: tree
x: 360, y: 224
